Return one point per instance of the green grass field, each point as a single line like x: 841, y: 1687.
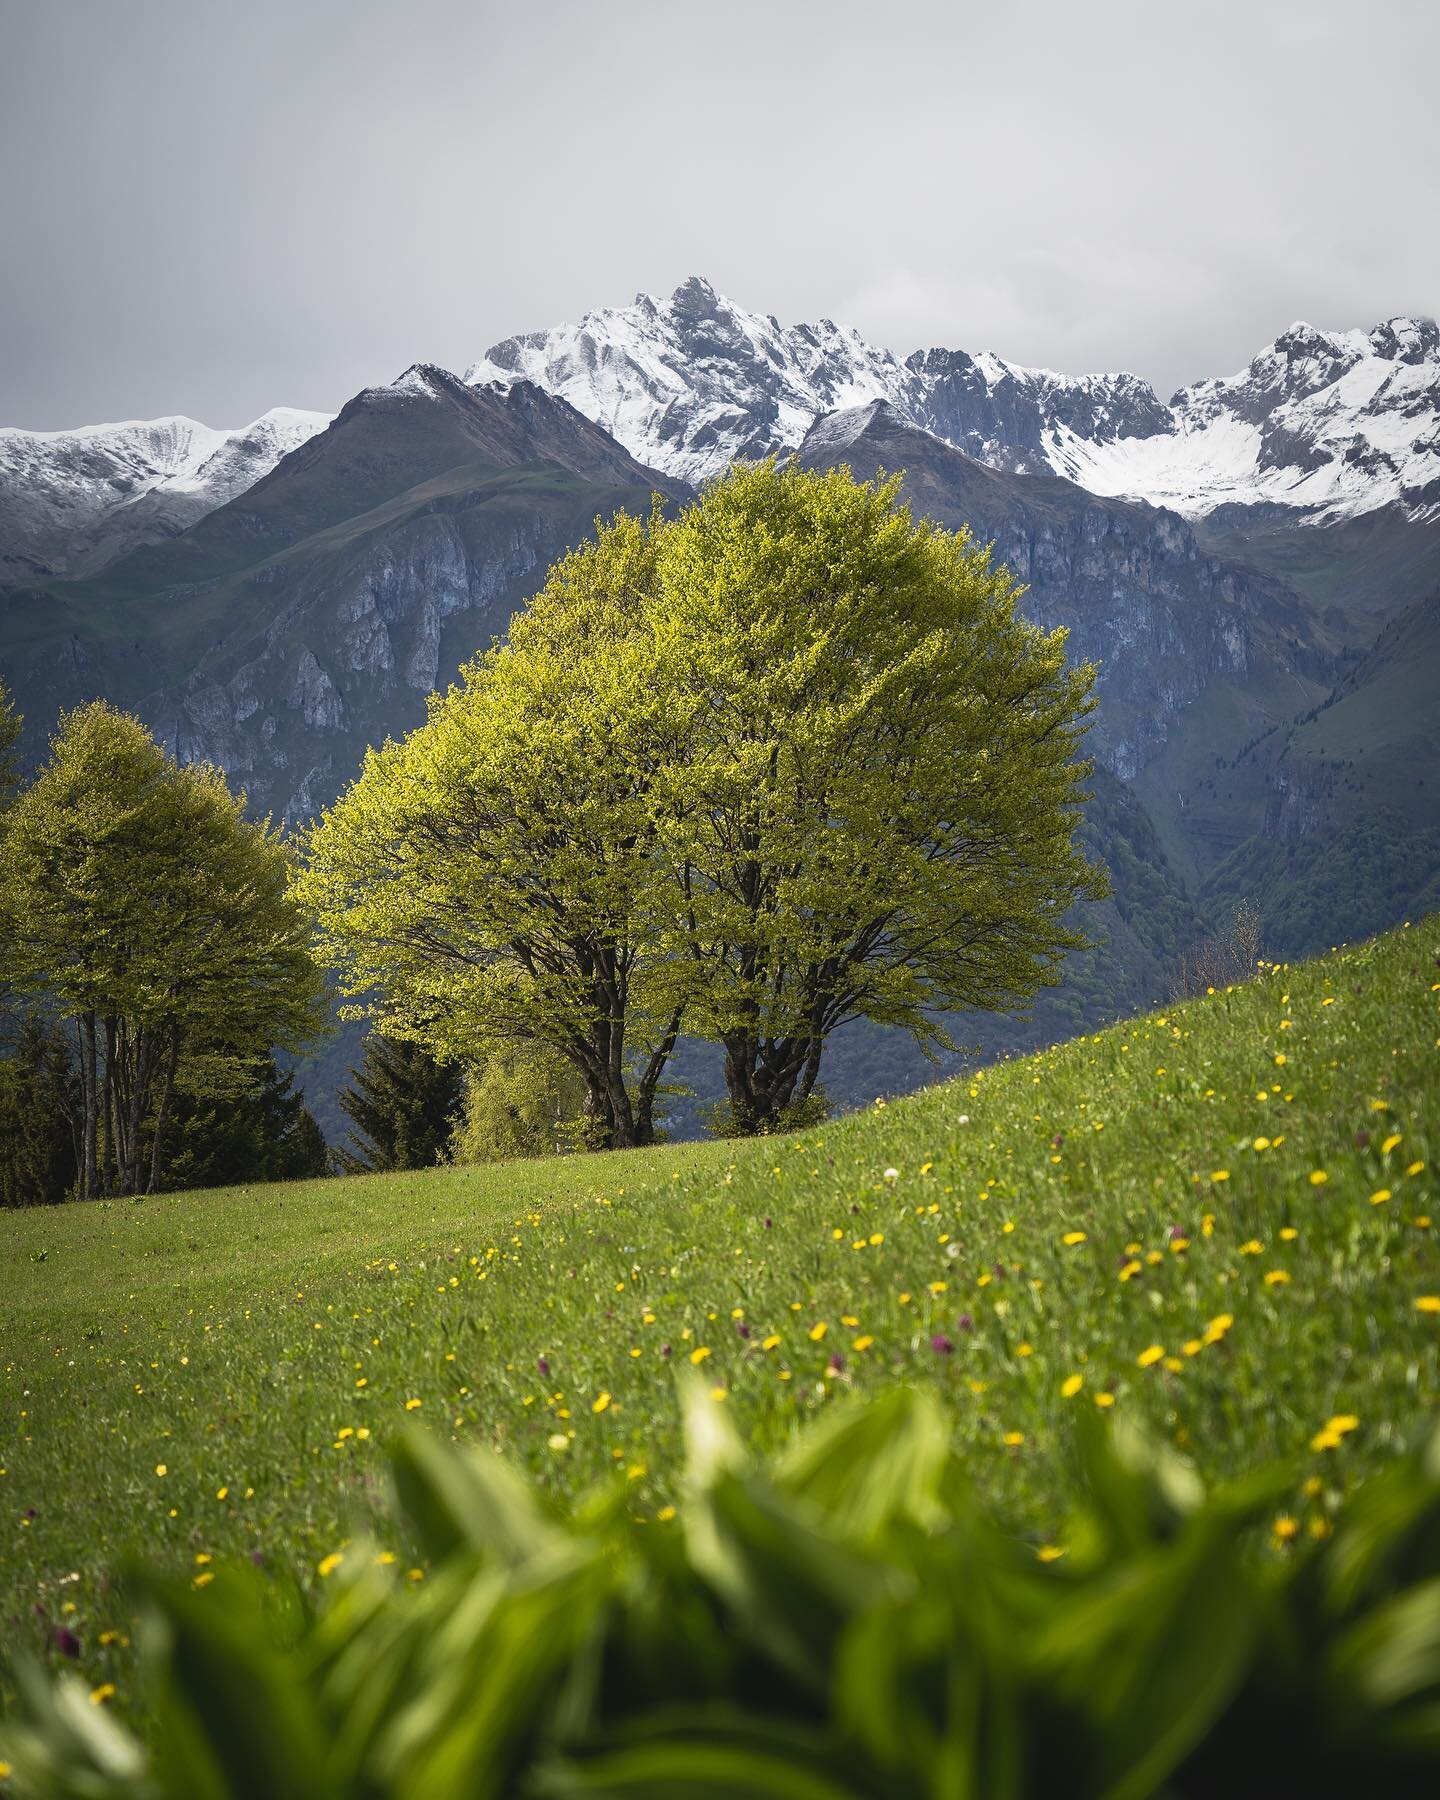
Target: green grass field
x: 1217, y: 1217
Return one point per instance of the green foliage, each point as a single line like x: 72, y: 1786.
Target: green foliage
x: 139, y: 901
x: 523, y: 1100
x: 402, y: 1104
x: 1334, y: 888
x: 263, y: 1132
x: 786, y: 762
x: 39, y: 1114
x: 846, y: 1622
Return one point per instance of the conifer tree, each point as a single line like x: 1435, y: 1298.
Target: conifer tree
x: 264, y: 1132
x: 403, y: 1105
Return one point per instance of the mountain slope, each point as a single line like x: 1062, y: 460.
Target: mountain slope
x: 71, y: 501
x: 308, y: 618
x: 1330, y: 425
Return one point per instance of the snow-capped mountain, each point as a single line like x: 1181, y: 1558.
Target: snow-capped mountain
x: 1338, y: 422
x: 72, y: 500
x: 1331, y: 423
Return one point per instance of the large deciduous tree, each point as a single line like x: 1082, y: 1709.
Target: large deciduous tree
x: 139, y: 903
x: 492, y: 880
x: 874, y: 811
x: 789, y: 760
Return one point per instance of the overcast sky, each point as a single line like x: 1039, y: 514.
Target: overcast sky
x: 218, y: 206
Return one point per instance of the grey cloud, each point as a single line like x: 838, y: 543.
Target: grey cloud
x: 215, y: 209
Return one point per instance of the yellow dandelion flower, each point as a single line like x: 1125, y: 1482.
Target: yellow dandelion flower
x: 105, y: 1691
x: 1289, y: 1233
x: 1285, y: 1528
x: 699, y: 1353
x: 1071, y: 1238
x: 1072, y: 1385
x: 938, y: 1287
x: 665, y: 1514
x: 1276, y: 1277
x: 818, y: 1330
x: 161, y: 1470
x: 1325, y: 1440
x: 600, y: 1403
x: 327, y: 1565
x: 1251, y: 1248
x: 412, y: 1403
x: 1390, y: 1143
x: 1193, y: 1346
x: 1342, y: 1423
x: 862, y: 1343
x: 1219, y: 1174
x: 1151, y: 1355
x: 1428, y: 1303
x: 1416, y: 1168
x: 1318, y: 1178
x: 1048, y: 1553
x: 1104, y: 1399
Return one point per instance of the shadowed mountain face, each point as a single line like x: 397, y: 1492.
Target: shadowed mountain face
x: 309, y: 617
x: 1166, y: 622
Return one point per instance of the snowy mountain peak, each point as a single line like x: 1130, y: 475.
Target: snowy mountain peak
x: 1333, y: 423
x: 71, y: 500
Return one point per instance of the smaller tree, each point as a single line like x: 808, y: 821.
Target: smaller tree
x: 524, y: 1100
x: 403, y: 1105
x: 39, y: 1115
x: 1223, y: 958
x: 143, y: 906
x: 264, y: 1132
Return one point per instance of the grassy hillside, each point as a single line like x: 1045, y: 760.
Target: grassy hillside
x: 1217, y: 1217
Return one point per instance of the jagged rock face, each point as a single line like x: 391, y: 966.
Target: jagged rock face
x: 1333, y: 424
x: 1135, y: 590
x: 71, y: 501
x: 354, y: 650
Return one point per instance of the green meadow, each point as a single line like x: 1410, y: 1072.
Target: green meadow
x: 1217, y: 1217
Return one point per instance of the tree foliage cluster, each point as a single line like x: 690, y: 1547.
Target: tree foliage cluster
x: 787, y: 760
x: 154, y: 957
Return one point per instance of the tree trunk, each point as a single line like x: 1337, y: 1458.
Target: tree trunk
x: 650, y: 1080
x: 90, y: 1096
x: 163, y: 1109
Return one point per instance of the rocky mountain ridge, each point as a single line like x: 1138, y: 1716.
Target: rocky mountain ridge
x: 1331, y: 424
